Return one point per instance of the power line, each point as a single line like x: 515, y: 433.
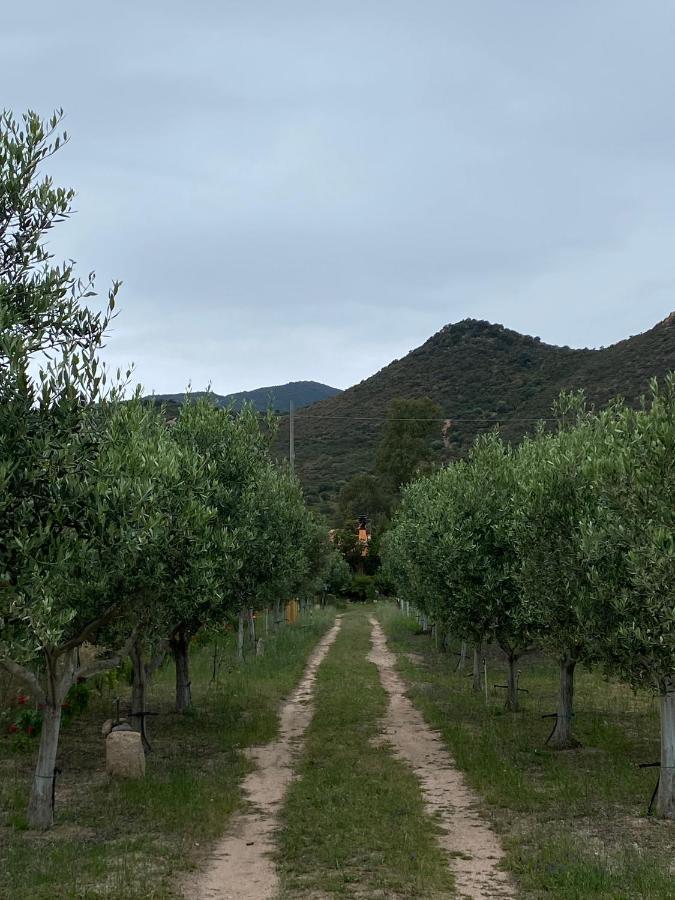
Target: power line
x: 449, y: 419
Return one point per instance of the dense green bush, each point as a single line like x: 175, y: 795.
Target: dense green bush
x: 362, y: 588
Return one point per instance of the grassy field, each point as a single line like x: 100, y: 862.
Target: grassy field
x: 574, y: 823
x: 353, y: 824
x: 133, y: 839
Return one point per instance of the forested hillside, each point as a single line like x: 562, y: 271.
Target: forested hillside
x: 480, y: 375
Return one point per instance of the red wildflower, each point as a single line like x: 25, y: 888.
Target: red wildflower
x: 21, y: 699
x: 30, y: 729
x: 13, y: 728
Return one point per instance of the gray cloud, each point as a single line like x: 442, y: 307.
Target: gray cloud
x: 309, y: 189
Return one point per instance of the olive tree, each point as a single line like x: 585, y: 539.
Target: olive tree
x: 411, y: 554
x: 264, y: 530
x: 557, y: 488
x: 492, y: 595
x: 453, y: 550
x: 629, y: 548
x: 276, y: 559
x: 233, y: 448
x: 73, y: 521
x: 176, y: 572
x: 84, y: 506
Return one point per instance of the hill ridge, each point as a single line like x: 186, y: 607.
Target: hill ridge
x: 478, y: 372
x: 302, y: 393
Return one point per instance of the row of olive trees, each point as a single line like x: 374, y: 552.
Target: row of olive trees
x: 115, y: 529
x: 565, y: 543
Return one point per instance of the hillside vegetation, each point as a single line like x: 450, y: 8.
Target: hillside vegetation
x: 480, y: 375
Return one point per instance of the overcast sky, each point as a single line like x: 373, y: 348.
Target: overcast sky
x: 307, y: 190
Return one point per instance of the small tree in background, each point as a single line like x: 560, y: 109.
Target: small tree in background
x: 364, y: 494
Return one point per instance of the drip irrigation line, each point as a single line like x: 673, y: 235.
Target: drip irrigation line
x: 57, y: 771
x: 555, y: 716
x: 654, y: 765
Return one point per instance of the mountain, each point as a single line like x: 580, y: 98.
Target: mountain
x: 302, y: 393
x: 481, y: 375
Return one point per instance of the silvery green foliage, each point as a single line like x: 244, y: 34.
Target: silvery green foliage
x: 451, y: 550
x: 555, y: 490
x: 263, y: 531
x: 567, y: 542
x: 80, y: 473
x: 628, y: 546
x: 69, y: 520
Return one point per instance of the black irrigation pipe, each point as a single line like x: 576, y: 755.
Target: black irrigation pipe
x: 555, y: 716
x: 58, y: 771
x: 132, y: 715
x: 654, y: 765
x: 143, y: 716
x: 52, y: 778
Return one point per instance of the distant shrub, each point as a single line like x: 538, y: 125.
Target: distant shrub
x: 77, y: 700
x: 363, y: 588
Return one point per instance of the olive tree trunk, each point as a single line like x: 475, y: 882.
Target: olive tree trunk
x: 251, y: 626
x: 476, y: 684
x: 180, y: 650
x: 240, y: 636
x: 62, y: 669
x: 665, y: 803
x: 138, y: 686
x: 561, y: 738
x: 462, y: 658
x: 512, y: 683
x: 142, y: 672
x: 41, y: 807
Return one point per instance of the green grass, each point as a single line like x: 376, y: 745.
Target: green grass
x: 573, y: 823
x: 354, y: 823
x: 132, y: 839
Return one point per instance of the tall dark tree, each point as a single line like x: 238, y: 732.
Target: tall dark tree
x: 407, y: 447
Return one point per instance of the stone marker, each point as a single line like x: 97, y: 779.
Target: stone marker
x: 124, y: 755
x: 109, y: 725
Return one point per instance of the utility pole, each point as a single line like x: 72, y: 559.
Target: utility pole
x: 291, y: 434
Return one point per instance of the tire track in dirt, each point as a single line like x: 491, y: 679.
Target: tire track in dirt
x: 473, y: 848
x: 241, y: 867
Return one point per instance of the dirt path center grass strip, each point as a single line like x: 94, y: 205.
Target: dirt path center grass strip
x: 468, y: 839
x: 241, y: 865
x: 354, y: 823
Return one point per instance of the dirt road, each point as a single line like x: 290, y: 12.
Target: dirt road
x: 473, y: 848
x: 242, y: 867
